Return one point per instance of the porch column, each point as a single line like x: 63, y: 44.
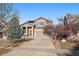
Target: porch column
x: 32, y: 32
x: 26, y: 31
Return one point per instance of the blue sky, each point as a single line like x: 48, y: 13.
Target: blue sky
x: 51, y: 11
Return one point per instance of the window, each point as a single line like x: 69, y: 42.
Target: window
x: 40, y: 24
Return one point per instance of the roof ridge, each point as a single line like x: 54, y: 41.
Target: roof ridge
x: 42, y: 18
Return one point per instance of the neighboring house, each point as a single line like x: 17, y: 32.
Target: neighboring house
x: 34, y: 29
x: 3, y: 29
x: 67, y: 19
x: 73, y: 18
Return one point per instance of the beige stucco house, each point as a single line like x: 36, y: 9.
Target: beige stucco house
x: 34, y: 29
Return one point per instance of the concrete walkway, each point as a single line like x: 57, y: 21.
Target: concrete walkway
x: 36, y: 47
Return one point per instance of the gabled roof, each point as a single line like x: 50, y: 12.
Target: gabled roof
x: 26, y: 23
x: 42, y: 18
x: 31, y: 22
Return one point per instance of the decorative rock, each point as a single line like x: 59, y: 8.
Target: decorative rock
x: 63, y: 40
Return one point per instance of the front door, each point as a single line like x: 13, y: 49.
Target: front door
x: 1, y: 35
x: 29, y: 32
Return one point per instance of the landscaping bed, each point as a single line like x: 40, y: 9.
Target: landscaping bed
x: 65, y: 45
x: 67, y: 48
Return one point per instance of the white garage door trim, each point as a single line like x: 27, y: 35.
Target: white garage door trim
x: 38, y: 30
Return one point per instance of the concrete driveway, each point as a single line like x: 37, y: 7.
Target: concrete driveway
x: 35, y: 47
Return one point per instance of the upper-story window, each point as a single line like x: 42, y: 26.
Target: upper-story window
x: 40, y: 24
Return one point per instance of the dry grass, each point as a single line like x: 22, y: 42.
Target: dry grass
x: 4, y: 44
x: 4, y: 51
x: 65, y: 47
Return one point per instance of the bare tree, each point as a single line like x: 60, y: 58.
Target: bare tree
x: 10, y: 15
x: 7, y: 11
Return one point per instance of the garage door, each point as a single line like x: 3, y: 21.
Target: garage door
x: 41, y: 35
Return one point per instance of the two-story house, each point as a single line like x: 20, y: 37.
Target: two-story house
x: 34, y: 29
